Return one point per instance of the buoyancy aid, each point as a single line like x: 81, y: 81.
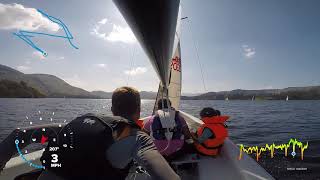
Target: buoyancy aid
x: 83, y: 154
x: 166, y: 125
x: 212, y: 145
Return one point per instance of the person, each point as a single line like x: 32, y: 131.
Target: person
x: 212, y: 133
x: 168, y: 129
x: 105, y: 147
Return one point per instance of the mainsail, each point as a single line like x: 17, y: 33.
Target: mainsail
x: 154, y: 24
x: 174, y: 89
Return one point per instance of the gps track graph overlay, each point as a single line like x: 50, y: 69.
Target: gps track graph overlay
x: 27, y: 35
x: 27, y: 161
x: 273, y: 147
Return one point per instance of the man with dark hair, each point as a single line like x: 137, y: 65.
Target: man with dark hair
x: 126, y: 103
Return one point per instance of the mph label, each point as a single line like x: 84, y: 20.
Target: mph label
x: 54, y: 157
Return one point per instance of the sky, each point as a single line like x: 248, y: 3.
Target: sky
x: 242, y: 44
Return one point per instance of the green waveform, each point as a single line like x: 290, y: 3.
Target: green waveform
x: 272, y: 147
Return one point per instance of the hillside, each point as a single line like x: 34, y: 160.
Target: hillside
x: 48, y: 85
x: 10, y: 89
x: 294, y: 93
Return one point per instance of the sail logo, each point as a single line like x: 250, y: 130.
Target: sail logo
x: 273, y: 147
x: 176, y: 64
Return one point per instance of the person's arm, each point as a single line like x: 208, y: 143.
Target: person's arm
x: 148, y: 156
x: 206, y: 134
x: 186, y: 132
x: 140, y: 147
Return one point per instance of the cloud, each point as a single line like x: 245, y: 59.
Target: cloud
x: 38, y: 55
x: 248, y: 52
x: 103, y: 21
x: 136, y: 71
x: 100, y: 65
x: 61, y: 58
x: 23, y: 68
x: 117, y: 34
x: 16, y: 16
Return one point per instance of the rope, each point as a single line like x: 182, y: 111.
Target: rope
x: 131, y: 63
x: 197, y: 52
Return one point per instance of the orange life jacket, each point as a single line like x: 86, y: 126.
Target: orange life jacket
x: 140, y: 123
x: 212, y: 145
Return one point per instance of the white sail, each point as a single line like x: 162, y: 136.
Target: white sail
x: 174, y: 89
x: 287, y: 99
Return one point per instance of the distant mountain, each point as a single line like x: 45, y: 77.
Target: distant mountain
x: 294, y: 93
x: 102, y: 94
x: 148, y: 95
x: 48, y: 85
x: 108, y: 95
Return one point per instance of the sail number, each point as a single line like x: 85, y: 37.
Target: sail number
x: 176, y: 64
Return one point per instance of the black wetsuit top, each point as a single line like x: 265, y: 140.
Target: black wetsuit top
x: 95, y: 154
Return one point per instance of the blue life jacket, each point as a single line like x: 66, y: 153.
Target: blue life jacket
x: 159, y: 132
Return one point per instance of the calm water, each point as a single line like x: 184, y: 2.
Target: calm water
x: 251, y: 123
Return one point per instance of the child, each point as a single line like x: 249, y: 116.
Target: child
x: 212, y: 133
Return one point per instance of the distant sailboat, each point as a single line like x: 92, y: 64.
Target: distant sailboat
x: 287, y: 99
x: 253, y: 98
x: 227, y: 99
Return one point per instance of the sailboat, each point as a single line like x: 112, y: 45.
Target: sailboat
x: 287, y: 98
x: 156, y: 25
x: 227, y: 99
x: 253, y: 98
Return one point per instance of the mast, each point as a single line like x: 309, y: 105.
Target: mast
x: 153, y: 22
x: 156, y: 25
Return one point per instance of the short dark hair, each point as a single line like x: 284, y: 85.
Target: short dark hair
x: 125, y: 101
x: 208, y: 112
x: 163, y: 105
x: 218, y: 112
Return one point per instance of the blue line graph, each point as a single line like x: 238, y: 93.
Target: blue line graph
x: 27, y: 161
x: 27, y: 35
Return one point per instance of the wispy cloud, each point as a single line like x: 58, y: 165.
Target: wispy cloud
x: 248, y: 52
x: 23, y: 68
x: 38, y: 55
x: 61, y: 58
x: 16, y: 16
x: 136, y: 71
x: 117, y: 34
x: 100, y: 65
x: 103, y: 21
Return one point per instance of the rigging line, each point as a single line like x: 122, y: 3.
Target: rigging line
x: 131, y: 64
x: 197, y: 52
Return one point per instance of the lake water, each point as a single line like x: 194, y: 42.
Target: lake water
x: 251, y: 123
